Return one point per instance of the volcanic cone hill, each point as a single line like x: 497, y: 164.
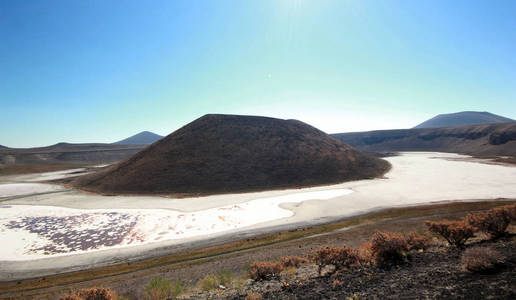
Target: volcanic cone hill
x: 229, y: 153
x: 142, y: 138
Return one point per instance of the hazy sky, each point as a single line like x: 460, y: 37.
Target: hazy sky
x: 99, y: 71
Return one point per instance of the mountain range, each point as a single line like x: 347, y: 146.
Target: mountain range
x: 480, y: 140
x: 463, y: 118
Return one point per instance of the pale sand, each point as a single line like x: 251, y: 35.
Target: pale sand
x: 415, y: 178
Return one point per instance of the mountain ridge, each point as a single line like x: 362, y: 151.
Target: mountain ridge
x: 481, y: 140
x: 463, y: 118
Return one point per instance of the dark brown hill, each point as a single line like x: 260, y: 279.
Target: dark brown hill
x: 229, y: 153
x: 491, y: 139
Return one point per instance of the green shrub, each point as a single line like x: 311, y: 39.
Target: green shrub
x: 177, y: 288
x: 224, y: 277
x: 158, y: 289
x: 208, y: 283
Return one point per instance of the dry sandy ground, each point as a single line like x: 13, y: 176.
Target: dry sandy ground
x: 415, y: 178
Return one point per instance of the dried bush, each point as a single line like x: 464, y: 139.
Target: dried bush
x: 264, y: 270
x: 494, y: 221
x: 90, y: 294
x: 416, y: 241
x: 253, y: 296
x: 97, y: 294
x: 336, y: 283
x: 455, y: 232
x: 70, y: 296
x: 481, y: 259
x: 388, y: 248
x: 292, y: 261
x: 157, y: 289
x: 365, y: 254
x: 511, y: 210
x: 339, y: 257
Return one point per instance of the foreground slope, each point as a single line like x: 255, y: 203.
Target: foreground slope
x: 491, y: 139
x: 463, y: 118
x: 142, y: 138
x: 228, y: 153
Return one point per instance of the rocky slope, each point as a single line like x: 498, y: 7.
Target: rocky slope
x: 491, y: 139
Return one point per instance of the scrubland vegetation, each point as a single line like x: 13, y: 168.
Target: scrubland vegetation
x: 383, y: 251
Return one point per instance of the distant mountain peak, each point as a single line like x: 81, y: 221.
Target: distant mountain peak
x: 463, y: 118
x: 142, y: 138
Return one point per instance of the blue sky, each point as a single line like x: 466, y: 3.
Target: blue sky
x: 99, y: 71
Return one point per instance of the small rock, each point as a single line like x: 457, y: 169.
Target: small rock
x: 249, y: 282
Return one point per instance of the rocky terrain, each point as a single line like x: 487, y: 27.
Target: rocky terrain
x: 479, y: 140
x: 434, y: 274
